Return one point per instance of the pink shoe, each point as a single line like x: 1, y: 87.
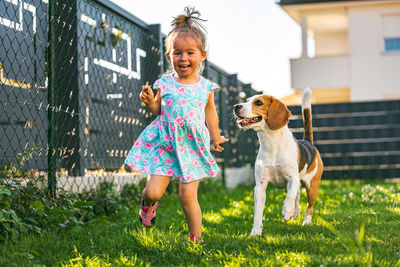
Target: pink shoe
x: 147, y: 215
x: 195, y: 239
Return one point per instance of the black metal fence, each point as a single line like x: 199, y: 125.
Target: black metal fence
x: 242, y: 146
x: 359, y: 140
x: 71, y: 73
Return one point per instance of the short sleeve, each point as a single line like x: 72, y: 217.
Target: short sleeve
x: 214, y: 86
x: 157, y: 84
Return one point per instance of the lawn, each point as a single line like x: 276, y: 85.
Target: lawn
x: 355, y: 223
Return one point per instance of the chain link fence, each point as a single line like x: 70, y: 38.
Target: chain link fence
x: 71, y: 73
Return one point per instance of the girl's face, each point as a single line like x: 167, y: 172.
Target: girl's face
x: 186, y: 58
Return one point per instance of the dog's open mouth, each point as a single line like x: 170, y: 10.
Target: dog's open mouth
x: 247, y: 121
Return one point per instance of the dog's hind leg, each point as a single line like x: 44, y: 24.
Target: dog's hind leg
x: 310, y: 206
x: 312, y: 191
x: 259, y: 202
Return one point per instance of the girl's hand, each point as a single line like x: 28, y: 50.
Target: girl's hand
x: 147, y: 95
x: 219, y: 140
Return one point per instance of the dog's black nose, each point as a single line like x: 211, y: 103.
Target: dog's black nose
x: 237, y: 107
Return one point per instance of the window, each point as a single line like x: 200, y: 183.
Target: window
x: 391, y: 32
x: 392, y: 44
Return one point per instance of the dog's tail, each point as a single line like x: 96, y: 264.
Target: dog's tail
x: 307, y: 117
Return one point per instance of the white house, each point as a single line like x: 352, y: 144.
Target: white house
x: 350, y: 49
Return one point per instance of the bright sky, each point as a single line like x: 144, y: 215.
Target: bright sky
x: 253, y: 38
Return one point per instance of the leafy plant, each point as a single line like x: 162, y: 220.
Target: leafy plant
x: 27, y: 208
x: 11, y: 222
x: 131, y: 194
x: 15, y: 169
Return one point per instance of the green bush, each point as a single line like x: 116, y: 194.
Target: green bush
x: 29, y: 209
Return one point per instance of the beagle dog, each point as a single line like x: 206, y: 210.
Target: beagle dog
x: 282, y: 160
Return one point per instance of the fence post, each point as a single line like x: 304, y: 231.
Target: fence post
x: 221, y: 124
x: 155, y: 30
x: 51, y: 157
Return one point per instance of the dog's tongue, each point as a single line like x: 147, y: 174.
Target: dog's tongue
x: 242, y: 121
x: 247, y: 120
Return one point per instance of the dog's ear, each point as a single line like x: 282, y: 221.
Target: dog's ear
x: 278, y: 114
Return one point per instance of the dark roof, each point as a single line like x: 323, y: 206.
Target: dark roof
x: 295, y: 2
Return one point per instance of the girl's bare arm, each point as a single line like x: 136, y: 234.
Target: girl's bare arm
x: 212, y: 124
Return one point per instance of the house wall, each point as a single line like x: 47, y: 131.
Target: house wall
x: 331, y: 44
x: 320, y: 72
x: 375, y: 74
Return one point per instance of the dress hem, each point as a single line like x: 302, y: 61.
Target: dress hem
x: 178, y: 177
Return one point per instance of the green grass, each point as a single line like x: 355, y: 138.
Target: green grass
x: 355, y: 223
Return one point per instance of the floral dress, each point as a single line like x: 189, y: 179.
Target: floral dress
x: 177, y: 142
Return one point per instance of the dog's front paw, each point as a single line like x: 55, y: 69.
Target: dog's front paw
x: 307, y: 219
x: 256, y: 231
x: 288, y: 211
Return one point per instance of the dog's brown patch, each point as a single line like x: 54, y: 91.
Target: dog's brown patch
x: 308, y: 130
x: 278, y: 115
x: 261, y: 110
x: 272, y: 110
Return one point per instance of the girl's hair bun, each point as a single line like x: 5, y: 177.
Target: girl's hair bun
x: 189, y: 20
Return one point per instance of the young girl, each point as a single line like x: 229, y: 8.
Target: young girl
x: 177, y: 142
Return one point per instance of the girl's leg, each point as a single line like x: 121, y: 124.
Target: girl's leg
x: 191, y: 207
x: 155, y: 188
x: 153, y: 191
